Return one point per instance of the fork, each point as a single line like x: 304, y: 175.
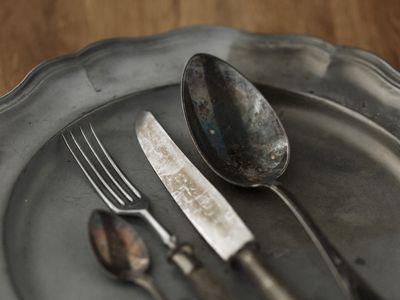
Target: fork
x: 123, y: 198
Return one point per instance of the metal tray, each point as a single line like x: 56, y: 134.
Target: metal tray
x: 340, y: 107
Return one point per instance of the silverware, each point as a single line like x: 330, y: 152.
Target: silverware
x: 241, y: 138
x: 204, y: 206
x: 123, y: 198
x: 121, y: 251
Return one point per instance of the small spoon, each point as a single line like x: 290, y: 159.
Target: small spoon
x: 121, y: 250
x: 242, y: 140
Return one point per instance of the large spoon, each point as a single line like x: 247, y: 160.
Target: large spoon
x: 241, y: 138
x: 121, y: 250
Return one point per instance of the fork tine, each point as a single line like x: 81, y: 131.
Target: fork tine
x: 114, y: 165
x: 92, y: 182
x: 99, y: 176
x: 120, y: 188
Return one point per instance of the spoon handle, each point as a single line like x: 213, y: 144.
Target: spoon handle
x: 205, y: 284
x: 352, y: 285
x: 270, y: 285
x: 148, y: 284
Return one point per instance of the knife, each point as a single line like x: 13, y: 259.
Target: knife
x: 208, y: 211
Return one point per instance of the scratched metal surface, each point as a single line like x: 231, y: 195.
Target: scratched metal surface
x: 340, y: 108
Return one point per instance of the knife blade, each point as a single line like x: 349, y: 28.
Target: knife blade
x: 205, y: 207
x: 201, y: 202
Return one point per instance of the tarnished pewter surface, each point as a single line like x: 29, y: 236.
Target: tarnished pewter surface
x: 201, y: 202
x: 233, y: 125
x: 340, y: 108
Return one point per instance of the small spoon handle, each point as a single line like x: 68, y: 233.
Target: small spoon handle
x: 148, y: 284
x: 352, y: 285
x: 271, y: 287
x: 203, y: 281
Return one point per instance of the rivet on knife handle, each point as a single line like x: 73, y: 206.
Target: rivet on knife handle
x: 202, y: 203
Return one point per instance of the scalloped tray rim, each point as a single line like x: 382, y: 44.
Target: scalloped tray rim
x: 372, y: 61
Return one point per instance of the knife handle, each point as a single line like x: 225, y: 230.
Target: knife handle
x: 271, y: 287
x: 203, y: 281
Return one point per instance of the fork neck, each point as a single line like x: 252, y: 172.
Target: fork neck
x: 168, y: 239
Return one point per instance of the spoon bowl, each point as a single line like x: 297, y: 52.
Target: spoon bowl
x: 233, y: 125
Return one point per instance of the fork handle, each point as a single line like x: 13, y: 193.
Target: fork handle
x: 206, y: 285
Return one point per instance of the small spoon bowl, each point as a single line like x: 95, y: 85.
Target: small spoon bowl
x: 121, y: 251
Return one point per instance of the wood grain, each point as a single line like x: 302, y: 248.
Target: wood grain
x: 36, y: 30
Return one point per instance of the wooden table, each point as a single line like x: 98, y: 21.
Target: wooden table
x: 36, y: 30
